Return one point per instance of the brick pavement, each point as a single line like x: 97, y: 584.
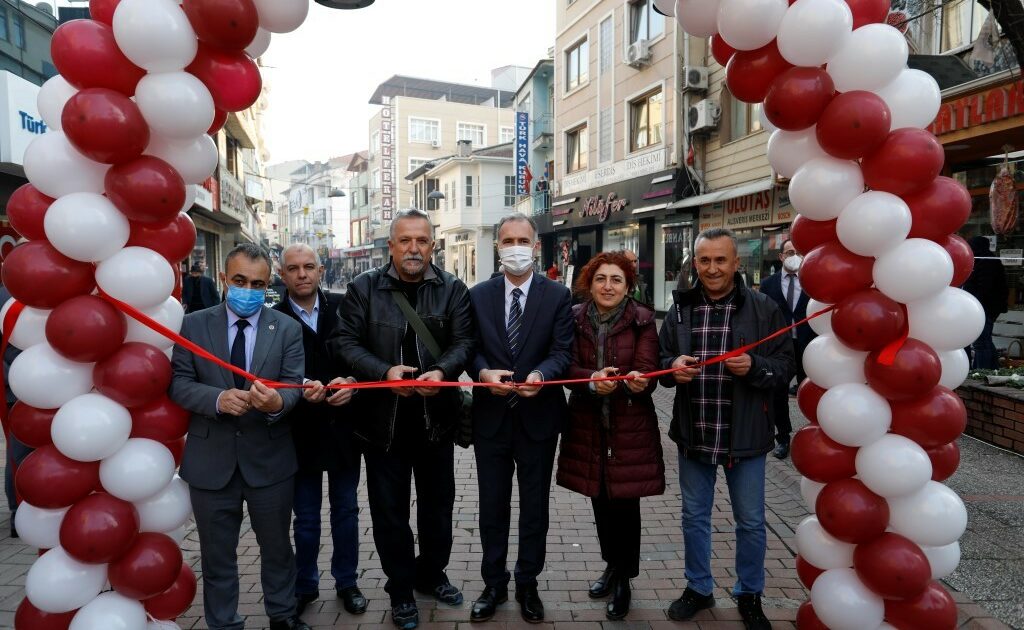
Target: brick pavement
x: 573, y: 560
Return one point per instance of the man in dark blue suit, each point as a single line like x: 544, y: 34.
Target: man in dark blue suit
x: 524, y: 333
x: 784, y: 287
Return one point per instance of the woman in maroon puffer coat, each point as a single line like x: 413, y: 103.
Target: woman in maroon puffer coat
x: 611, y: 450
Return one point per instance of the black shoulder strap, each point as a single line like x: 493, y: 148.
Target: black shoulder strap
x: 417, y: 324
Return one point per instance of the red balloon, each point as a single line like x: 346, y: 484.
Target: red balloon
x: 908, y: 160
x: 853, y: 125
x: 86, y: 329
x: 177, y: 449
x: 721, y: 50
x: 807, y: 619
x: 868, y: 320
x: 103, y: 10
x: 869, y: 11
x: 963, y: 258
x: 47, y: 479
x: 797, y: 98
x: 147, y: 190
x: 807, y: 572
x: 819, y: 458
x: 26, y: 209
x: 750, y: 73
x: 228, y: 24
x: 937, y: 418
x: 99, y: 529
x: 30, y: 425
x: 914, y: 373
x: 161, y: 420
x: 133, y: 376
x: 945, y: 460
x: 38, y: 275
x: 28, y: 617
x: 850, y: 512
x: 149, y: 567
x: 174, y: 601
x: 807, y: 234
x: 219, y: 118
x: 105, y: 126
x: 232, y: 77
x: 892, y: 566
x: 939, y: 209
x: 934, y: 609
x: 830, y: 272
x: 176, y: 291
x: 86, y: 55
x: 808, y: 395
x: 173, y: 241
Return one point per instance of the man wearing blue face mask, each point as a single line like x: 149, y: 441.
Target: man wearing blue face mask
x: 239, y: 449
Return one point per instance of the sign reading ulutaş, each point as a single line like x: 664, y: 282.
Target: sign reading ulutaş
x: 21, y: 115
x: 522, y: 152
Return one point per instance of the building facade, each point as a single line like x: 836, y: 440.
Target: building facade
x: 535, y: 141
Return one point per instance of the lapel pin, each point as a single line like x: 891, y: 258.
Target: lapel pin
x: 271, y: 327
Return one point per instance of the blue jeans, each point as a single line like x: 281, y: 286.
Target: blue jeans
x: 344, y: 528
x: 746, y: 490
x: 984, y: 349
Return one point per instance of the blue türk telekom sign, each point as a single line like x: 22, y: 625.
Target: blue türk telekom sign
x: 522, y: 153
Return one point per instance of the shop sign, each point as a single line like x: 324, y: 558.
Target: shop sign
x: 748, y: 211
x: 989, y: 106
x: 24, y: 123
x: 595, y: 206
x: 522, y: 153
x: 636, y: 166
x: 783, y: 212
x: 710, y: 217
x: 387, y: 151
x: 204, y: 198
x: 232, y: 197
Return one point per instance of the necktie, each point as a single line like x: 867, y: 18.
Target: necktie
x: 515, y: 323
x: 791, y: 298
x: 238, y: 352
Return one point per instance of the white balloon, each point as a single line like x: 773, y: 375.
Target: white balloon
x: 829, y: 363
x: 955, y: 366
x: 111, y: 611
x: 35, y: 371
x: 933, y: 516
x: 812, y: 31
x: 853, y: 414
x: 158, y: 624
x: 873, y: 223
x: 810, y: 490
x: 155, y: 34
x: 39, y: 527
x: 86, y: 226
x: 195, y: 159
x: 823, y: 186
x: 282, y: 16
x: 916, y: 268
x: 913, y: 98
x: 167, y: 510
x: 869, y: 59
x: 52, y: 97
x: 949, y: 320
x: 821, y: 324
x: 820, y: 548
x: 175, y: 105
x: 139, y: 470
x: 90, y: 427
x: 170, y: 314
x: 30, y: 328
x: 842, y: 602
x: 766, y: 124
x: 56, y: 168
x: 136, y: 275
x: 57, y: 583
x: 790, y: 150
x: 943, y: 560
x: 699, y: 18
x: 181, y: 533
x: 893, y: 466
x: 750, y: 24
x: 259, y: 44
x: 191, y: 191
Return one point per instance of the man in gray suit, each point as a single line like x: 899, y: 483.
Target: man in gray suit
x: 238, y: 448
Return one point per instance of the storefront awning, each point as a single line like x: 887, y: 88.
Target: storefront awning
x: 726, y: 193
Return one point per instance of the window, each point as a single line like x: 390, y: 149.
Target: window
x: 740, y: 119
x: 472, y: 132
x: 432, y: 184
x: 19, y: 31
x: 577, y: 65
x: 424, y: 130
x: 3, y: 23
x: 376, y: 181
x: 576, y: 149
x: 604, y: 136
x: 961, y: 23
x: 607, y: 45
x: 644, y: 21
x: 415, y: 163
x: 469, y: 191
x: 510, y: 191
x: 375, y: 143
x: 645, y: 118
x: 506, y: 134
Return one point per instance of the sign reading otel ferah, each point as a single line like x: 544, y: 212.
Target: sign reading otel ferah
x: 387, y: 155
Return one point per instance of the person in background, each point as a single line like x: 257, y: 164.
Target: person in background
x: 640, y: 292
x: 988, y: 284
x: 198, y: 290
x: 611, y: 450
x: 553, y: 272
x: 16, y: 451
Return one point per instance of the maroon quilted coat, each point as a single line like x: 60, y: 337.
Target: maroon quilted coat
x: 627, y: 456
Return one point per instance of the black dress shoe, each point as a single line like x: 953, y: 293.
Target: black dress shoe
x: 621, y: 596
x: 352, y: 599
x: 689, y: 604
x: 781, y: 451
x: 530, y: 605
x: 489, y: 600
x: 602, y: 585
x: 291, y: 623
x: 304, y: 599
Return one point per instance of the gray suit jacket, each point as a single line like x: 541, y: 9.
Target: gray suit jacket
x: 258, y: 445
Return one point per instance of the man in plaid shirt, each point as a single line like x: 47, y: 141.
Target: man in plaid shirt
x: 722, y: 417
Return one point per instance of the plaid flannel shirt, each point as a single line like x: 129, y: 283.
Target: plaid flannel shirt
x: 711, y: 391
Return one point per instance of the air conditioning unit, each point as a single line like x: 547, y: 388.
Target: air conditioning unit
x: 435, y: 143
x: 703, y: 116
x: 638, y: 54
x: 695, y: 78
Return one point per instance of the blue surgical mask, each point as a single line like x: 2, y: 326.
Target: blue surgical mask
x: 245, y: 302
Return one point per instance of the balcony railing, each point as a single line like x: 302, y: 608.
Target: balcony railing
x: 542, y: 125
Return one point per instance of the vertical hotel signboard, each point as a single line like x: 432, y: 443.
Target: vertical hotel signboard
x: 387, y: 159
x: 522, y: 153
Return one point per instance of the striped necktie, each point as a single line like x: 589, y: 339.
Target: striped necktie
x: 515, y: 324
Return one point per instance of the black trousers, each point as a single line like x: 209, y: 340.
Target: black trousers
x: 618, y: 529
x: 389, y: 477
x: 780, y: 398
x: 510, y: 452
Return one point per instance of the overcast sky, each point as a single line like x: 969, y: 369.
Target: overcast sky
x: 321, y: 76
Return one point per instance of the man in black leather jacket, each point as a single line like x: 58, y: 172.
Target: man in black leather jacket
x: 408, y: 430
